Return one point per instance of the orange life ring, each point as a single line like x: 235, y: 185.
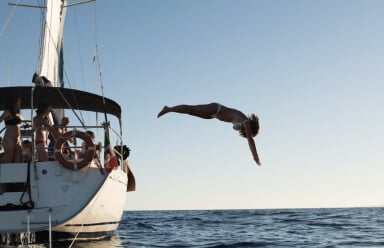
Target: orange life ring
x: 90, y: 150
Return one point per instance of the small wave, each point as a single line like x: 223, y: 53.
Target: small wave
x: 361, y: 243
x: 288, y: 220
x: 242, y: 244
x: 325, y: 224
x: 145, y: 226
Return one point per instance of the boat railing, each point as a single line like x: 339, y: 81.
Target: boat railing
x: 76, y: 147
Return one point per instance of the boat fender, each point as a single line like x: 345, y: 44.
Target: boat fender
x: 90, y: 149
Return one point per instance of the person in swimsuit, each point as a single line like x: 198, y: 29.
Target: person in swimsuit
x: 11, y: 141
x: 26, y: 150
x: 42, y: 125
x: 248, y: 127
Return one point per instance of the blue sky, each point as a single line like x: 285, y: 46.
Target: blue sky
x: 311, y: 70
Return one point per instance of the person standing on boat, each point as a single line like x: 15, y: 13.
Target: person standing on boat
x: 248, y: 127
x: 42, y: 125
x: 11, y: 141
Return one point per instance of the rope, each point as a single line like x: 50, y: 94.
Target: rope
x: 28, y: 204
x: 8, y: 19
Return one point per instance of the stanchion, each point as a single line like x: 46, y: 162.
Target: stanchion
x: 28, y: 228
x: 50, y: 228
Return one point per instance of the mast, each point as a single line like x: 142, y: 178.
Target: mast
x: 51, y: 54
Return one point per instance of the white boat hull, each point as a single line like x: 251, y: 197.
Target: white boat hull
x: 102, y: 215
x: 89, y: 201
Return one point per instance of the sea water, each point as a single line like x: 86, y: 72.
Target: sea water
x: 323, y: 227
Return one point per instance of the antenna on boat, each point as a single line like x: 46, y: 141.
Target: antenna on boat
x: 106, y: 122
x: 96, y: 60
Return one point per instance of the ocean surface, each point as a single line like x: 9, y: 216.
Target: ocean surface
x: 323, y: 227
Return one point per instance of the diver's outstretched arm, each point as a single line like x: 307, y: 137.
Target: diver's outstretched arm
x: 251, y: 142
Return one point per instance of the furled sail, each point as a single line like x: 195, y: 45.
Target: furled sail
x: 51, y: 62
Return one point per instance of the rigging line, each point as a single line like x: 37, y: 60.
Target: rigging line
x: 10, y: 15
x: 78, y: 46
x: 8, y: 19
x: 68, y: 104
x: 42, y: 31
x: 83, y: 2
x: 81, y: 118
x: 98, y: 68
x: 66, y: 75
x: 68, y: 81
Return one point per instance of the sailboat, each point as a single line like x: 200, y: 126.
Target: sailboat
x: 80, y: 191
